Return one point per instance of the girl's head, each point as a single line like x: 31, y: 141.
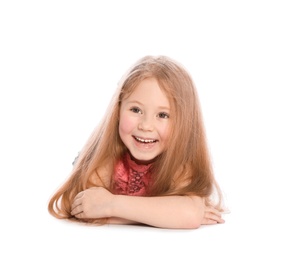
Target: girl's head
x: 177, y: 94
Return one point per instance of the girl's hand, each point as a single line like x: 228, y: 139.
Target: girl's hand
x: 211, y: 216
x: 92, y: 203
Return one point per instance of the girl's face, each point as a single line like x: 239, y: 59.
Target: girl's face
x: 144, y: 121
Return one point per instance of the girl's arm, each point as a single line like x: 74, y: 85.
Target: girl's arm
x: 163, y: 212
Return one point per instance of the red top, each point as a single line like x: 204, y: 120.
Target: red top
x: 131, y: 178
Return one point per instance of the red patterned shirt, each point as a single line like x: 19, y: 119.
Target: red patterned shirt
x: 131, y: 178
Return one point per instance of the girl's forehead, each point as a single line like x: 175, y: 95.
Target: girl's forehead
x: 148, y: 91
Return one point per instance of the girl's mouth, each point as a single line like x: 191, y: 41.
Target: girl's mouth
x: 144, y: 140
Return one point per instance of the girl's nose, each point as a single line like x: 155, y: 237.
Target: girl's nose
x: 146, y: 124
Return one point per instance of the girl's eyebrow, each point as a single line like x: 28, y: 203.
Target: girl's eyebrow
x: 134, y: 101
x: 164, y: 108
x: 139, y: 103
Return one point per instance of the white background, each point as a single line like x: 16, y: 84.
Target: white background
x: 60, y: 62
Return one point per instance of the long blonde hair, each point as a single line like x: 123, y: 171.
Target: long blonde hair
x: 184, y: 168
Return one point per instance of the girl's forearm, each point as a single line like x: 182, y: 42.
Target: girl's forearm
x: 163, y: 212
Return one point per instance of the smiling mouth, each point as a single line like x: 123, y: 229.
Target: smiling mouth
x: 145, y: 141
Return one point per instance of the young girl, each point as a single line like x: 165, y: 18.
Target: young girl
x: 147, y: 162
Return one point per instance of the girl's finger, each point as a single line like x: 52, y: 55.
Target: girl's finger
x: 77, y: 210
x: 79, y: 195
x: 76, y: 203
x: 213, y: 211
x: 77, y: 200
x: 214, y: 217
x: 207, y: 221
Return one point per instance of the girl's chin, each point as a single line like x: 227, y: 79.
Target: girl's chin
x: 142, y: 160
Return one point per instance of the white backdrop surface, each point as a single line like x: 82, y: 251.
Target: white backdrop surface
x: 60, y: 62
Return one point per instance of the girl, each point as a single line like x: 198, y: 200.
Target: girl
x: 148, y: 161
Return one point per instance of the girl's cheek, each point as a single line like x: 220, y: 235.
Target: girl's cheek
x: 165, y: 133
x: 126, y: 124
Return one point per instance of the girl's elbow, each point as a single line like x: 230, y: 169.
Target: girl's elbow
x: 195, y: 224
x: 192, y: 222
x: 194, y: 215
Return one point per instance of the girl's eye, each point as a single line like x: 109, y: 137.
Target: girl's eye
x: 135, y: 110
x: 163, y: 115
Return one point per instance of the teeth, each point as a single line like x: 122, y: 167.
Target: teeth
x: 144, y: 140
